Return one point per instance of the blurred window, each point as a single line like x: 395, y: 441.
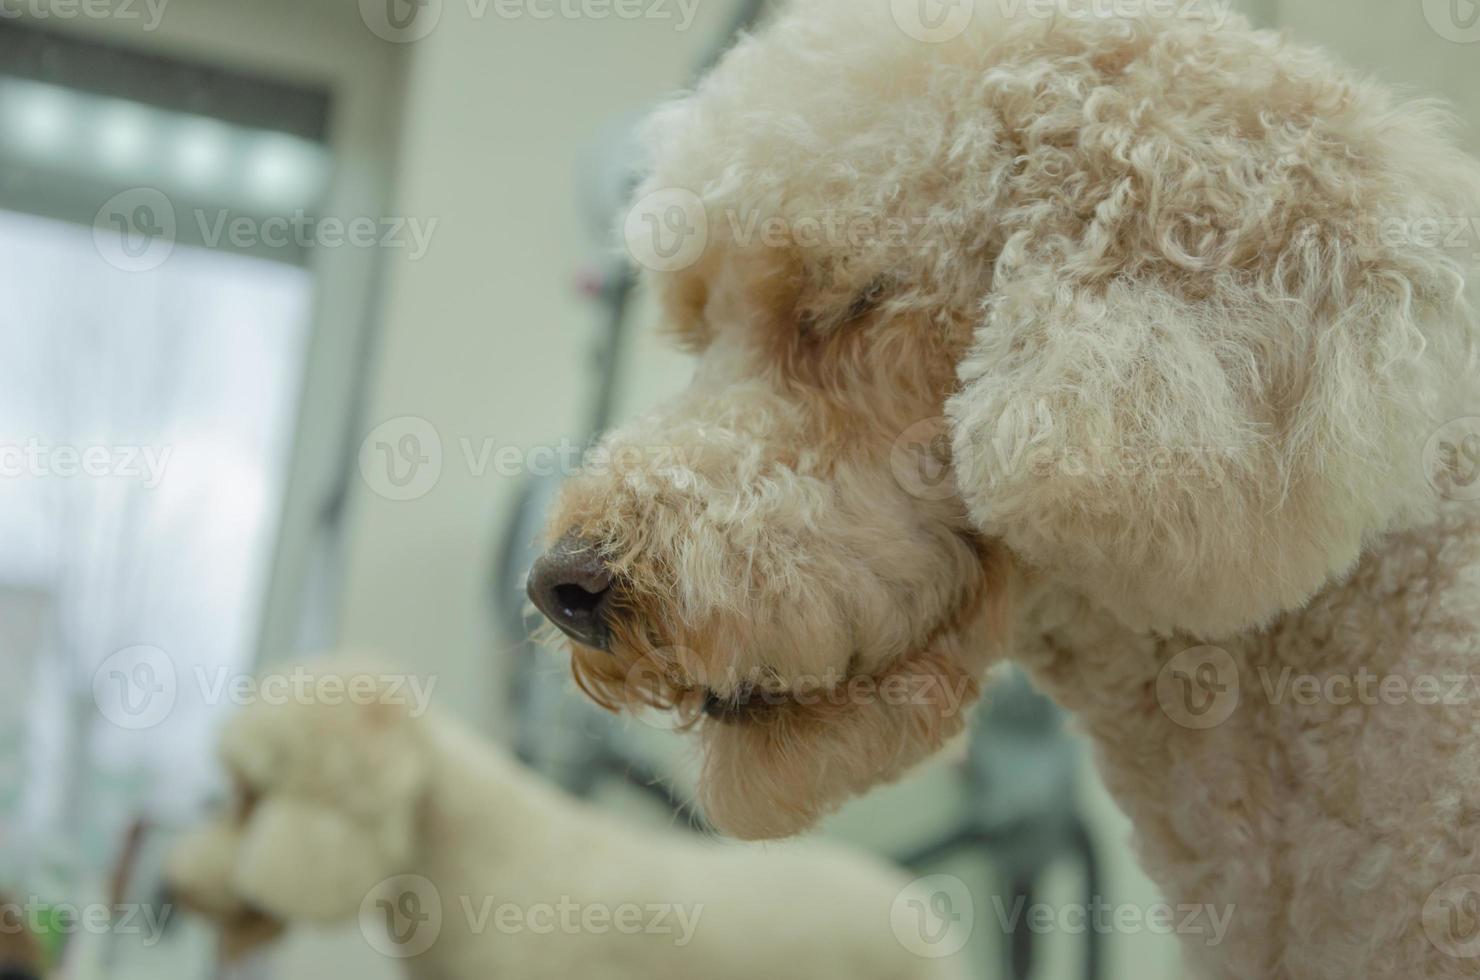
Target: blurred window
x: 155, y: 223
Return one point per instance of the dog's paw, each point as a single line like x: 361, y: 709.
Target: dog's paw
x: 328, y: 768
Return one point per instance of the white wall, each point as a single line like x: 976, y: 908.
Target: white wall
x: 485, y: 337
x: 1431, y: 46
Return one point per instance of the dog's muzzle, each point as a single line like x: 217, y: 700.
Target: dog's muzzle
x: 571, y: 585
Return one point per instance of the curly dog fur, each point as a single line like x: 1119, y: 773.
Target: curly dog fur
x: 1157, y: 296
x: 338, y: 799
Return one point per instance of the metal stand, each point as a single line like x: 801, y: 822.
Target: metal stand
x: 1021, y: 812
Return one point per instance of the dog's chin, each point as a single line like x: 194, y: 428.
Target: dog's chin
x: 776, y: 761
x: 775, y: 769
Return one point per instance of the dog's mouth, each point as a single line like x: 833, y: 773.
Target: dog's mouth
x: 620, y: 679
x: 741, y: 706
x: 636, y: 668
x: 750, y: 703
x: 772, y: 702
x: 779, y: 748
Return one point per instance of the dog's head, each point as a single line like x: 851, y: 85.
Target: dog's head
x: 326, y: 791
x: 1107, y: 303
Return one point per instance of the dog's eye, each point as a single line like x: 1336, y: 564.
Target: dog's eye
x: 867, y: 301
x: 821, y: 322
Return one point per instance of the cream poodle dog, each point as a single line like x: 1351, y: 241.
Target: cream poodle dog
x: 467, y: 867
x: 1138, y: 350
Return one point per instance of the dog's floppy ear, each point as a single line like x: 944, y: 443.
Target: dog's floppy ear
x: 1212, y: 354
x: 1198, y: 453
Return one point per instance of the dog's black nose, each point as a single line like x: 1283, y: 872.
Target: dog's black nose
x: 18, y: 971
x: 571, y: 585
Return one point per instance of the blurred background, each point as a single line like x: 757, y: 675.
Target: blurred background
x: 308, y: 304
